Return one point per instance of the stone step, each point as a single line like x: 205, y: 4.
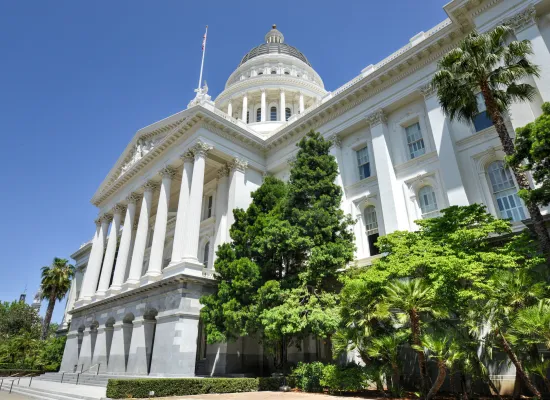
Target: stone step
x: 44, y: 394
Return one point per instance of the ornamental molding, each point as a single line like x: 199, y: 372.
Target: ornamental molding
x: 200, y: 149
x: 239, y: 164
x: 106, y: 218
x: 523, y: 19
x: 97, y: 222
x: 167, y: 172
x: 377, y: 118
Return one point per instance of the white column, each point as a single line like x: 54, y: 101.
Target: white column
x: 183, y: 204
x: 263, y: 106
x: 238, y: 195
x: 301, y: 103
x: 245, y: 107
x: 191, y: 245
x: 110, y: 253
x: 141, y: 236
x: 221, y: 209
x: 391, y: 193
x: 282, y: 106
x: 91, y: 277
x: 154, y: 270
x: 125, y: 244
x: 230, y: 108
x: 452, y: 180
x: 336, y: 151
x: 525, y: 27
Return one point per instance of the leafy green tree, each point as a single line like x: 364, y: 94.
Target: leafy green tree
x: 532, y: 324
x: 277, y: 278
x: 533, y: 154
x: 16, y: 317
x: 56, y: 282
x: 483, y: 62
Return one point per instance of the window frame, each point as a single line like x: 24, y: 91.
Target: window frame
x: 360, y: 165
x: 506, y: 195
x: 259, y: 114
x: 431, y: 212
x: 411, y: 154
x: 272, y: 110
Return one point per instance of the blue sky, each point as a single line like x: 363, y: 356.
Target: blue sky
x: 77, y: 79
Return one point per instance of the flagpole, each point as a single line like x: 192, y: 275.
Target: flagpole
x: 203, y: 52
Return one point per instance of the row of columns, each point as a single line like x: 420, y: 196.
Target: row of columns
x: 263, y: 106
x: 131, y: 251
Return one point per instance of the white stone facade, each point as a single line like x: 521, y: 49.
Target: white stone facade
x: 167, y: 203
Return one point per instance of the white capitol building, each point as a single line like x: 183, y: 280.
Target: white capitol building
x: 168, y: 201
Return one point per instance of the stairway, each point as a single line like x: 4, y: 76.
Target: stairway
x: 90, y: 379
x: 52, y: 391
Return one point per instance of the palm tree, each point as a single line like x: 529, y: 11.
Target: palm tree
x: 409, y: 299
x: 512, y: 291
x: 56, y: 282
x: 445, y: 352
x: 484, y: 63
x: 386, y: 349
x: 532, y: 324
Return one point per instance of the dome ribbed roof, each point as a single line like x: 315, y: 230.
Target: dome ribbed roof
x: 274, y: 45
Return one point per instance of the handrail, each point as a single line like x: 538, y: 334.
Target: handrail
x: 89, y: 368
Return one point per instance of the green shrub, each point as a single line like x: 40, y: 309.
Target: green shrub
x: 19, y: 372
x: 270, y: 384
x: 349, y: 378
x: 140, y: 388
x: 308, y: 376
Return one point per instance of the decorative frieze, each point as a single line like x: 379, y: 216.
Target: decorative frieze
x: 523, y: 19
x: 239, y: 164
x: 377, y: 118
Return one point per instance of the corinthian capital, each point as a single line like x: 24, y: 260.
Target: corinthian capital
x: 133, y: 198
x: 119, y: 209
x: 523, y: 19
x: 376, y: 118
x: 427, y: 90
x: 167, y: 172
x: 150, y: 186
x: 239, y: 164
x: 106, y: 218
x: 200, y: 149
x: 336, y: 141
x: 188, y: 156
x: 223, y: 172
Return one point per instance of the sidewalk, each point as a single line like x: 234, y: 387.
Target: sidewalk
x: 93, y: 392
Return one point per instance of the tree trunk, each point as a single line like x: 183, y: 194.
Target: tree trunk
x: 415, y: 328
x: 491, y: 384
x: 442, y: 372
x: 523, y: 183
x: 48, y: 317
x: 395, y: 379
x: 519, y: 367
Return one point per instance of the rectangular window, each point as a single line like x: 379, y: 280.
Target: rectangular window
x: 209, y: 207
x: 481, y: 121
x: 363, y: 162
x: 415, y: 140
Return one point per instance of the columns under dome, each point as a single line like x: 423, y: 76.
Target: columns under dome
x: 273, y: 83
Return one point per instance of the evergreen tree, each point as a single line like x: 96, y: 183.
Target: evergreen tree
x: 276, y: 279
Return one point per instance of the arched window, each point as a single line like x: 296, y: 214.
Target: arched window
x: 427, y: 200
x: 247, y: 117
x: 287, y: 73
x: 371, y: 224
x: 273, y: 72
x: 260, y: 72
x: 287, y: 113
x: 273, y: 114
x: 206, y: 254
x: 258, y: 115
x: 505, y: 192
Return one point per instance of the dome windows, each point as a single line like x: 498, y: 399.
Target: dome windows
x: 273, y: 114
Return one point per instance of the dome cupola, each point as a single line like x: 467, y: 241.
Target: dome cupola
x: 274, y: 36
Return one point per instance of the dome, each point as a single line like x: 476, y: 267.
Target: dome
x: 274, y: 44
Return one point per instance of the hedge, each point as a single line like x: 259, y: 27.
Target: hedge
x: 164, y: 387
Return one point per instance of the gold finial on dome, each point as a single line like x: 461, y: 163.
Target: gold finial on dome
x: 274, y: 26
